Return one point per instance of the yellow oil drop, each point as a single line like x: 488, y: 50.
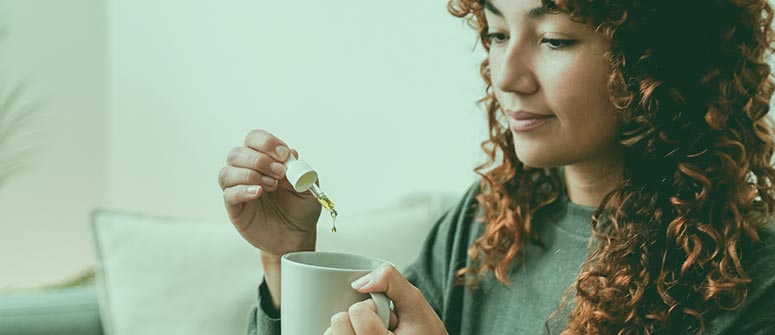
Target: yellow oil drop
x: 329, y: 206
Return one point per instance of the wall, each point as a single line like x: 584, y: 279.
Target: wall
x: 144, y: 99
x: 379, y: 98
x: 57, y: 49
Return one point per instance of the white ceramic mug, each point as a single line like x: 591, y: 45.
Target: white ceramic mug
x: 316, y: 285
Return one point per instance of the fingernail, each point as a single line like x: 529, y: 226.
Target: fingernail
x: 361, y: 282
x: 281, y: 152
x: 253, y: 189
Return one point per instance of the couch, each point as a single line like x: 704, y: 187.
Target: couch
x: 157, y: 275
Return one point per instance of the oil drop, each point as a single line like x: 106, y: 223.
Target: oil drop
x: 326, y: 202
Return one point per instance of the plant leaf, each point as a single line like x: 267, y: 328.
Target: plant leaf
x: 15, y: 120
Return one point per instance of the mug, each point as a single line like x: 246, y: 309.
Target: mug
x: 315, y: 285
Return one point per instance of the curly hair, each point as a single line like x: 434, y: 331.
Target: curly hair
x: 692, y: 86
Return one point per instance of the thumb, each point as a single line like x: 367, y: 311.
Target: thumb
x: 386, y: 278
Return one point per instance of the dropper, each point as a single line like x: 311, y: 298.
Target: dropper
x: 323, y: 199
x: 326, y: 202
x: 304, y: 178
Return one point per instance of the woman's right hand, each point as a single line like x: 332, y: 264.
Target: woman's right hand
x: 261, y: 203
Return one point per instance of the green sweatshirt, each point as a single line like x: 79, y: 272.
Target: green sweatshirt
x: 538, y: 282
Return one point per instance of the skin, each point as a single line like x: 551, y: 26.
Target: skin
x: 539, y: 62
x: 547, y: 64
x: 413, y: 314
x: 269, y: 214
x: 258, y: 197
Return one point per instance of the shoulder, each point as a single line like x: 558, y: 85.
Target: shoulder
x: 463, y: 212
x: 455, y: 225
x: 756, y: 313
x: 758, y: 262
x: 445, y: 247
x: 767, y: 234
x: 759, y: 258
x: 468, y: 205
x: 764, y: 249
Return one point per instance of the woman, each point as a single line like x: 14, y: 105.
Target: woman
x: 628, y: 190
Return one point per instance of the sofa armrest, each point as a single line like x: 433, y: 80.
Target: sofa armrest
x: 67, y: 311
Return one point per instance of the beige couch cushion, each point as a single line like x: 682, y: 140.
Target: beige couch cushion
x: 175, y: 276
x: 393, y: 233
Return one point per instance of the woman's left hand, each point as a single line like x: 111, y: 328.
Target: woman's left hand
x: 413, y: 314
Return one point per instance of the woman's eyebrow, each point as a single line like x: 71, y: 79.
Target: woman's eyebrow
x: 534, y: 14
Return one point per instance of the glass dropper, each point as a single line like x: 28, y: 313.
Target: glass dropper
x: 325, y: 202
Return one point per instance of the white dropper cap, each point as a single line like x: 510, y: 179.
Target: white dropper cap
x: 300, y: 174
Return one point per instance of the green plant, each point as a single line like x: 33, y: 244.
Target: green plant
x: 15, y: 117
x: 84, y: 278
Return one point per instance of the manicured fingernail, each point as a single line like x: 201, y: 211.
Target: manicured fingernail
x: 252, y: 189
x: 281, y: 152
x: 361, y: 282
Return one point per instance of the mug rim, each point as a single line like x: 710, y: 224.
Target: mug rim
x: 288, y: 258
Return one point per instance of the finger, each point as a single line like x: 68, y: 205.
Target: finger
x: 243, y: 157
x: 364, y: 318
x: 235, y: 197
x: 285, y: 184
x: 386, y: 278
x: 262, y: 141
x: 341, y: 325
x: 262, y: 162
x: 232, y: 176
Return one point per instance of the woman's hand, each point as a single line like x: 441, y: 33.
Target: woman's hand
x: 413, y: 315
x: 261, y: 203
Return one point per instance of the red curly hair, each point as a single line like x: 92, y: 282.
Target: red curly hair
x: 698, y: 182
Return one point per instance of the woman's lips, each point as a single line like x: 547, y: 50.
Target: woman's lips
x: 524, y: 121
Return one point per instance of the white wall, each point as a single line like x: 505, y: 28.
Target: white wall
x: 378, y: 97
x: 57, y: 47
x: 145, y: 98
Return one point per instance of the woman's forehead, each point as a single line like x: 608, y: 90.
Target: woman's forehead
x: 531, y: 13
x: 532, y: 9
x: 527, y: 11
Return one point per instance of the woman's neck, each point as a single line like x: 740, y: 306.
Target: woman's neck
x: 587, y: 184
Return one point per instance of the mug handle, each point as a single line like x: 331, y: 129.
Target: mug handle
x: 383, y: 307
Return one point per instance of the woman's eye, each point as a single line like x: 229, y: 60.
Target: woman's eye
x: 496, y: 38
x: 556, y: 43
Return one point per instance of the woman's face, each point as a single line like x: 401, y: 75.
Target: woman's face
x: 549, y: 75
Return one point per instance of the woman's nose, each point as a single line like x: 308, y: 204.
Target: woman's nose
x: 515, y: 72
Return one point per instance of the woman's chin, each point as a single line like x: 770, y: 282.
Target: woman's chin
x: 537, y: 158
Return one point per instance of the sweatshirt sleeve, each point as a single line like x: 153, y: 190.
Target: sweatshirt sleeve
x: 264, y: 319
